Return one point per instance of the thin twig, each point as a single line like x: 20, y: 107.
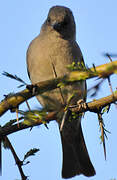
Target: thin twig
x: 28, y: 105
x: 63, y: 121
x: 55, y: 73
x: 17, y: 117
x: 101, y: 124
x: 16, y: 158
x: 111, y: 89
x: 110, y: 85
x: 108, y: 55
x: 62, y: 98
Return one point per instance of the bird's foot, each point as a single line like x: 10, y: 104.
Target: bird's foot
x: 81, y: 104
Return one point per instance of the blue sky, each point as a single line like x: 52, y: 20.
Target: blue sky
x: 20, y: 22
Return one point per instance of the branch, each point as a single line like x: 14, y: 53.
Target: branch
x: 18, y: 162
x: 6, y: 130
x: 93, y: 106
x: 96, y: 105
x: 13, y: 101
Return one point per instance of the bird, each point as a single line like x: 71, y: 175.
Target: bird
x: 48, y: 56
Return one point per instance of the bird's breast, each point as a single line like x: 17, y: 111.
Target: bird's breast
x: 48, y: 53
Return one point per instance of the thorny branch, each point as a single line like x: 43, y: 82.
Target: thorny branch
x: 94, y: 106
x: 18, y: 162
x: 14, y: 100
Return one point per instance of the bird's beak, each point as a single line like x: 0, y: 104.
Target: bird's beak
x: 56, y: 26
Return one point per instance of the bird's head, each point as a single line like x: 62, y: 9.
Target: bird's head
x: 61, y: 21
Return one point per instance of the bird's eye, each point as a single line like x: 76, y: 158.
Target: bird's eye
x: 48, y: 20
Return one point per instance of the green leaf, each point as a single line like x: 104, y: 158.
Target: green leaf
x: 32, y: 117
x: 31, y: 152
x: 106, y: 109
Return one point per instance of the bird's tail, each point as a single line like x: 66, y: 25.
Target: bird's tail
x: 75, y: 155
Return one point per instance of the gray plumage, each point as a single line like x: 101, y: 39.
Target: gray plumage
x: 48, y: 55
